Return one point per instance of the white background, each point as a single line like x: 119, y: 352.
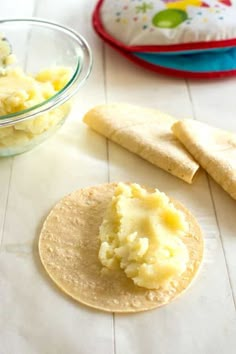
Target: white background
x: 35, y: 317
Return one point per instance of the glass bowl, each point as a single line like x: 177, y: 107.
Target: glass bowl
x: 61, y: 56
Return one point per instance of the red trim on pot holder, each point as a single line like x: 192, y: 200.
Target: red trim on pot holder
x: 98, y: 26
x: 173, y: 72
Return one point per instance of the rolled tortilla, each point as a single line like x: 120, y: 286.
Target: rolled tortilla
x: 145, y: 132
x: 214, y: 149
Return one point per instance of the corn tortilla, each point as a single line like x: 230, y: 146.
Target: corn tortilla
x: 145, y: 132
x: 213, y: 148
x: 69, y: 245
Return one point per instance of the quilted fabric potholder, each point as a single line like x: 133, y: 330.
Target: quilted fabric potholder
x: 187, y: 38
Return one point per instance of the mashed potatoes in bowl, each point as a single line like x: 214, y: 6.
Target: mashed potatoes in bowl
x: 35, y: 101
x: 18, y: 92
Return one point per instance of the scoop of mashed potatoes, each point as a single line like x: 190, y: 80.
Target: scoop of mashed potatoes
x: 19, y: 91
x: 142, y: 234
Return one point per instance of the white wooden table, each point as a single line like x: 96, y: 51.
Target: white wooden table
x: 35, y: 317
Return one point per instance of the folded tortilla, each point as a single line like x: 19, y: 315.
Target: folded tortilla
x: 214, y: 149
x: 145, y: 132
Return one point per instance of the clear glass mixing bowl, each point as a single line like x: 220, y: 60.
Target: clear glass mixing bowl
x: 38, y: 45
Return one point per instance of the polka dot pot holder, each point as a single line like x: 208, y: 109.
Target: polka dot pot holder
x: 184, y: 38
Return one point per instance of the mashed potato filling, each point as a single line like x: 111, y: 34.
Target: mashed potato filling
x: 19, y: 91
x: 142, y: 234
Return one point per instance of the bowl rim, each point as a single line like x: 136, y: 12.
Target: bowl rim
x: 80, y: 75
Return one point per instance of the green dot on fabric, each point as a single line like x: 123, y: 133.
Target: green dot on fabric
x: 169, y: 18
